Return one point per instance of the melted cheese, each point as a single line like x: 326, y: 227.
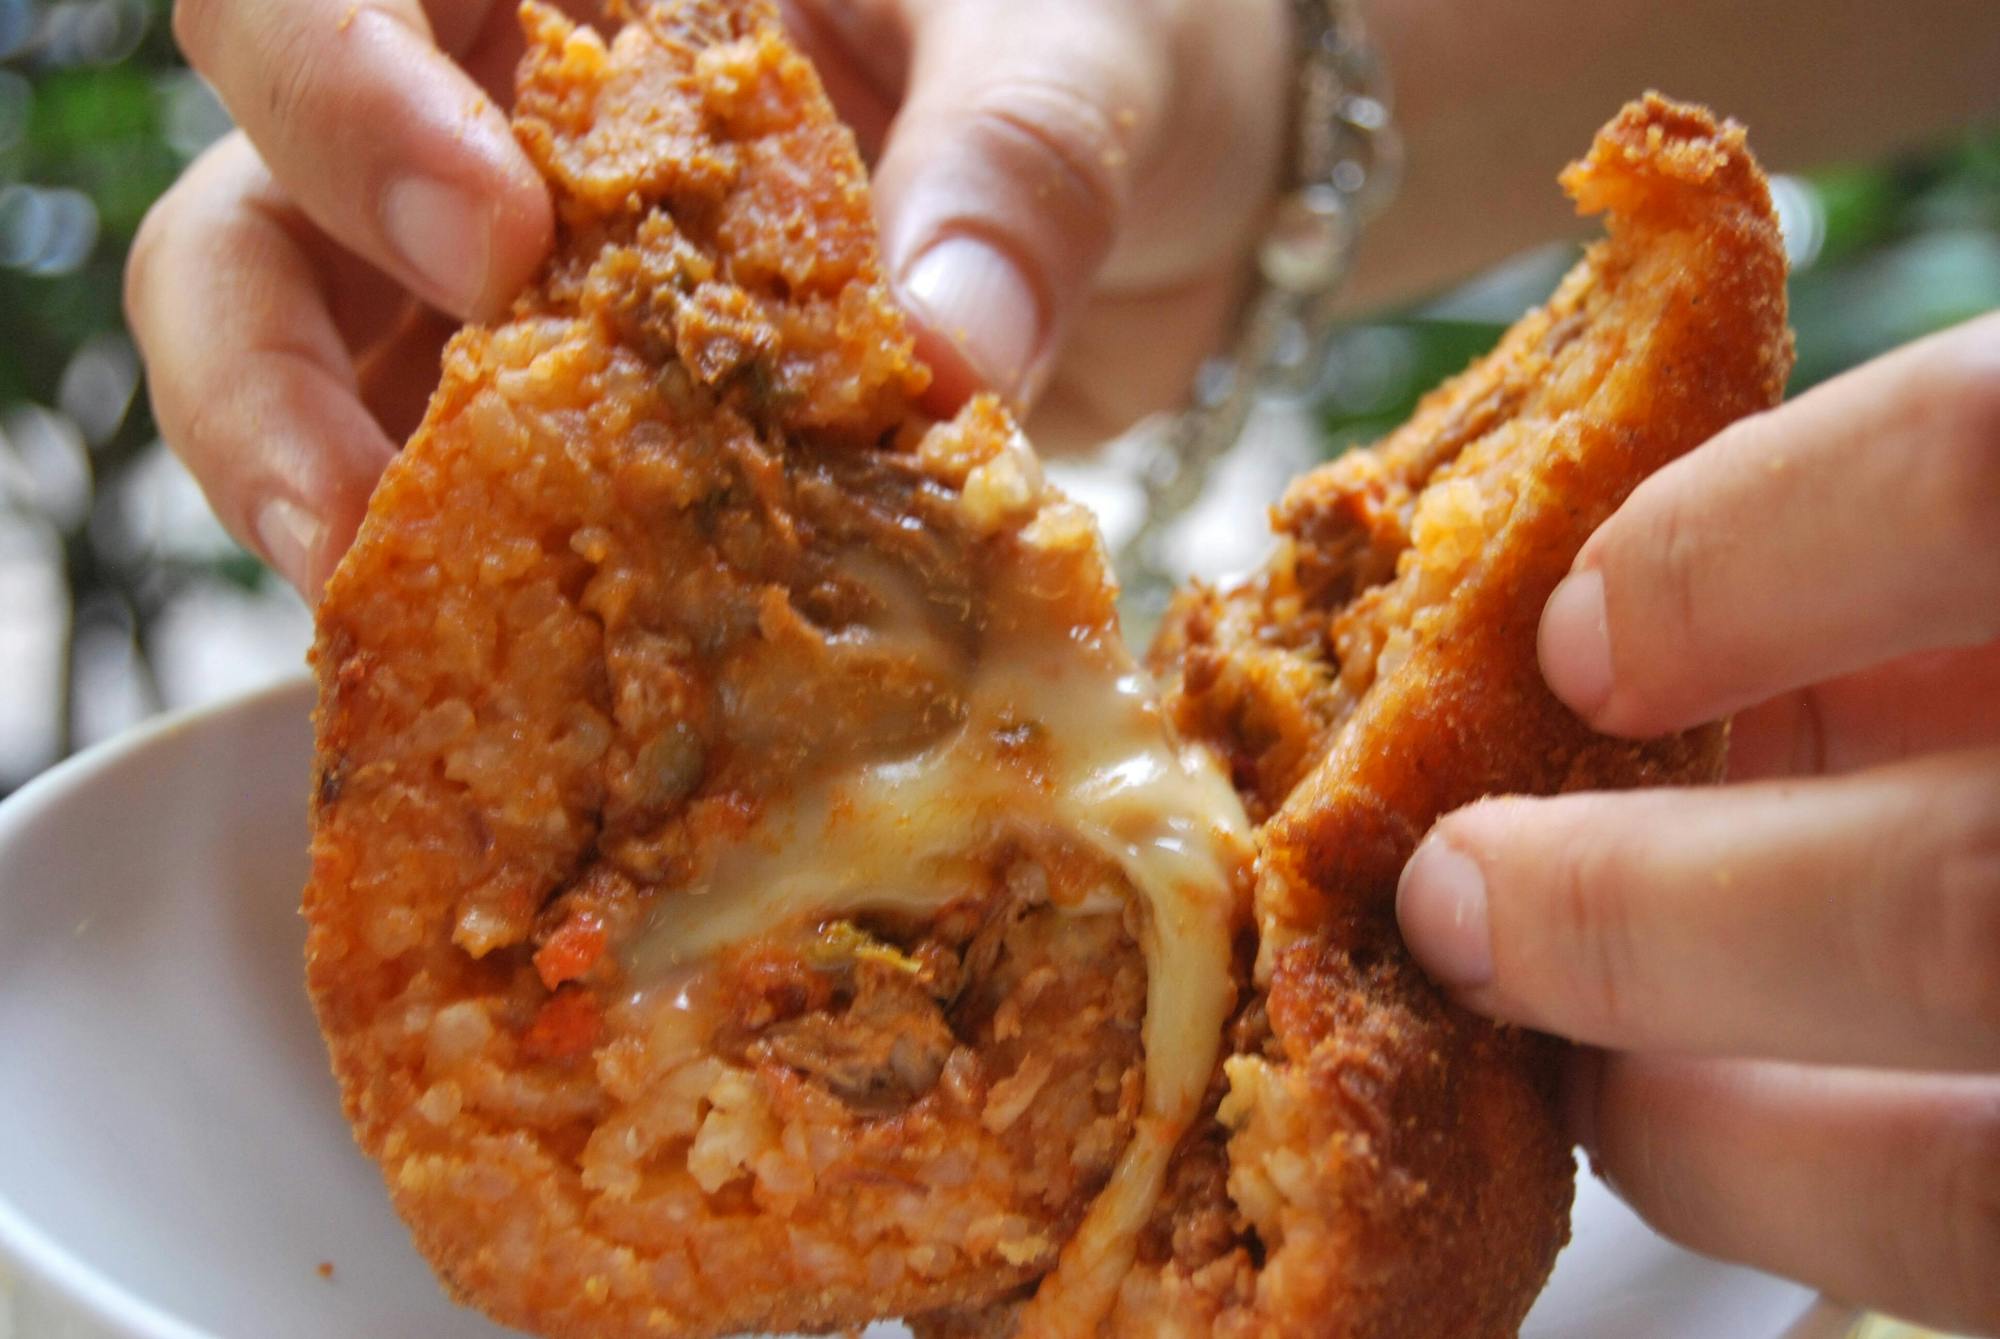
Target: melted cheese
x: 905, y: 835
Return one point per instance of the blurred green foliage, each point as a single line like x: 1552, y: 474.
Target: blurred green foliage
x: 93, y: 120
x: 98, y: 115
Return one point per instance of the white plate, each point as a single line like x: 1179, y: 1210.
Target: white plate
x: 173, y: 1163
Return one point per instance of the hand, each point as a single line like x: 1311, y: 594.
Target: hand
x: 1794, y: 980
x: 1067, y: 192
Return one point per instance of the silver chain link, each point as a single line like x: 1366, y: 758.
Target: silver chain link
x: 1346, y: 159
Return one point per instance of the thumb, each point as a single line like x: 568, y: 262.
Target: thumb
x: 1006, y: 174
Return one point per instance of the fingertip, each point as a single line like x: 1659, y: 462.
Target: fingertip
x: 982, y: 324
x: 458, y: 201
x: 387, y: 145
x: 524, y: 233
x: 302, y: 510
x: 1574, y: 644
x: 444, y: 234
x: 470, y: 236
x: 1441, y: 902
x: 343, y: 523
x: 292, y: 538
x: 1005, y: 178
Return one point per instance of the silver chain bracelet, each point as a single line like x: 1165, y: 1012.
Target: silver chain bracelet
x: 1346, y: 159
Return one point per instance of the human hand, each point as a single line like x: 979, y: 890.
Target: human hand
x: 1067, y: 193
x: 1791, y: 985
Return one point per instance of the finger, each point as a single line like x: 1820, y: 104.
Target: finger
x: 1028, y: 134
x: 1855, y: 525
x: 382, y: 140
x: 1925, y: 703
x: 250, y: 380
x: 1007, y: 174
x: 366, y: 305
x: 1880, y: 1189
x: 1854, y: 919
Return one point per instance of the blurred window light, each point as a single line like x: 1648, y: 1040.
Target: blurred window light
x: 217, y: 640
x: 46, y: 231
x: 17, y: 25
x: 92, y: 32
x: 97, y: 385
x: 157, y: 513
x: 34, y: 621
x: 23, y: 224
x: 113, y: 690
x: 1801, y: 219
x: 47, y: 466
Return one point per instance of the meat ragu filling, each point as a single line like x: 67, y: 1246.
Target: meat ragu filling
x: 944, y: 912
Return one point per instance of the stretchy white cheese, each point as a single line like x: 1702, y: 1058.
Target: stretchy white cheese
x: 903, y: 835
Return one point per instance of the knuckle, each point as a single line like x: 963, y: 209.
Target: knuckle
x: 291, y: 70
x: 201, y: 425
x: 1958, y: 972
x: 1600, y: 955
x: 142, y: 263
x: 1680, y: 554
x: 1060, y: 143
x: 268, y: 66
x: 1970, y: 380
x: 1964, y: 385
x: 189, y: 425
x: 1922, y: 932
x: 186, y: 212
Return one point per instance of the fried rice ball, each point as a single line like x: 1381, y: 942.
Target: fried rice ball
x: 754, y: 887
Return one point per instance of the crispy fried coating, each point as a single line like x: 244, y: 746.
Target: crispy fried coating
x: 674, y: 599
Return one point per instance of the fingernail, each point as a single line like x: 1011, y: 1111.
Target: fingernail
x: 290, y: 537
x: 1441, y: 902
x: 1575, y: 643
x: 971, y: 294
x: 444, y: 234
